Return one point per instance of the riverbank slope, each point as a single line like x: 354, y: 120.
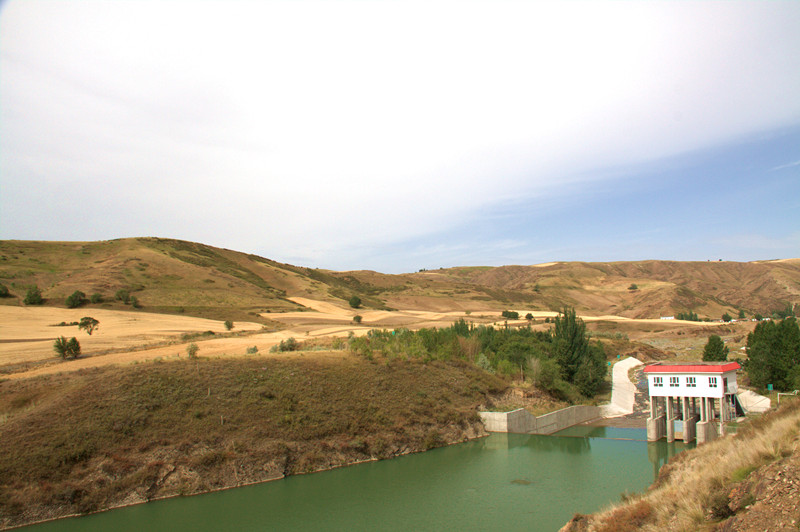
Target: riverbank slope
x: 107, y: 437
x: 747, y: 481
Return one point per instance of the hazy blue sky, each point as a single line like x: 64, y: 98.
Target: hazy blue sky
x: 403, y: 135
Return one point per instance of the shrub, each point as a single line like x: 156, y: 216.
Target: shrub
x: 33, y: 296
x: 290, y: 344
x: 67, y: 348
x: 192, y: 350
x: 355, y: 301
x: 432, y: 440
x: 506, y: 367
x: 633, y: 287
x: 483, y: 362
x: 123, y: 295
x: 4, y: 291
x: 96, y: 298
x: 74, y: 347
x: 357, y: 318
x: 76, y: 299
x: 510, y: 314
x: 228, y: 325
x: 135, y: 302
x: 252, y: 350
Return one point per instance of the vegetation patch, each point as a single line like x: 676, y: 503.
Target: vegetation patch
x: 88, y: 440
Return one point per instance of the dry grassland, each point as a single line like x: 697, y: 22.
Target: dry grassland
x: 111, y: 436
x: 717, y: 485
x: 124, y: 337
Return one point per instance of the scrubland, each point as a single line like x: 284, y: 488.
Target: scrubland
x: 104, y: 437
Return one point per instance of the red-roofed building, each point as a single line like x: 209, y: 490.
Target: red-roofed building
x: 690, y: 400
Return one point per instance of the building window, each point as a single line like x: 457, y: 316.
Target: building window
x: 673, y: 381
x: 691, y: 382
x: 712, y: 382
x: 658, y: 381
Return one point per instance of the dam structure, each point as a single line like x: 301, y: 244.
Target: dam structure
x: 691, y: 400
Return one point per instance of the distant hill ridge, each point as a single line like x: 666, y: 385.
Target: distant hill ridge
x: 167, y: 275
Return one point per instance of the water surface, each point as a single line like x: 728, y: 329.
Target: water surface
x: 503, y: 482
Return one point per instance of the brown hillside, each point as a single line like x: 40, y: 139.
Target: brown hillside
x: 175, y: 276
x: 663, y: 287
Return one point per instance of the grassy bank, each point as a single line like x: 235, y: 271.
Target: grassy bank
x: 748, y: 481
x: 89, y: 440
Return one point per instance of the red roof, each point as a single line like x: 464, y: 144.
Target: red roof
x: 697, y: 367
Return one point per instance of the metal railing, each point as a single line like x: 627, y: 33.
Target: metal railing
x: 785, y: 393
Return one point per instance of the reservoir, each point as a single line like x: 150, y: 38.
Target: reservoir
x: 502, y: 482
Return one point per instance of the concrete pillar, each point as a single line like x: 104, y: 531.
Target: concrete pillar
x: 689, y: 421
x: 706, y: 429
x: 670, y: 420
x: 656, y: 423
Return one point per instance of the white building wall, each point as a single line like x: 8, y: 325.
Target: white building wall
x: 702, y: 388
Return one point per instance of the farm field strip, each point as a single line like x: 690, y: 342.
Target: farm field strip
x: 27, y: 334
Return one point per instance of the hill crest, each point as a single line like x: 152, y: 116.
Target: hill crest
x: 176, y: 276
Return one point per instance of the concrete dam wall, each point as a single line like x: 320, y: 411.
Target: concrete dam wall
x: 521, y: 421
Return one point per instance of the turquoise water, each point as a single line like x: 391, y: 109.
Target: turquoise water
x: 503, y: 482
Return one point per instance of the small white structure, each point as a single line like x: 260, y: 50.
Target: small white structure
x: 689, y: 400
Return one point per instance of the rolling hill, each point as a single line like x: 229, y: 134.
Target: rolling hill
x: 174, y: 276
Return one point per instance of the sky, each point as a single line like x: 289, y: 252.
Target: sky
x: 400, y: 135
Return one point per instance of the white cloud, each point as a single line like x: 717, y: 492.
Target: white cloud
x: 311, y: 127
x: 787, y: 165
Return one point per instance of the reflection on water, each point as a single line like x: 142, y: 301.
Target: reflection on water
x: 540, y: 443
x: 658, y: 452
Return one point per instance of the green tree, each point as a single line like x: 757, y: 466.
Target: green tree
x: 715, y: 350
x: 544, y: 374
x: 228, y: 325
x: 96, y: 298
x: 529, y: 316
x: 76, y: 299
x: 135, y: 302
x: 357, y: 318
x: 4, y: 291
x: 74, y: 347
x: 633, y: 287
x: 192, y: 350
x: 741, y: 315
x: 33, y: 296
x: 726, y: 317
x: 355, y: 301
x: 60, y: 347
x: 592, y: 371
x: 510, y: 314
x: 88, y: 324
x: 773, y: 354
x: 571, y: 345
x: 67, y: 348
